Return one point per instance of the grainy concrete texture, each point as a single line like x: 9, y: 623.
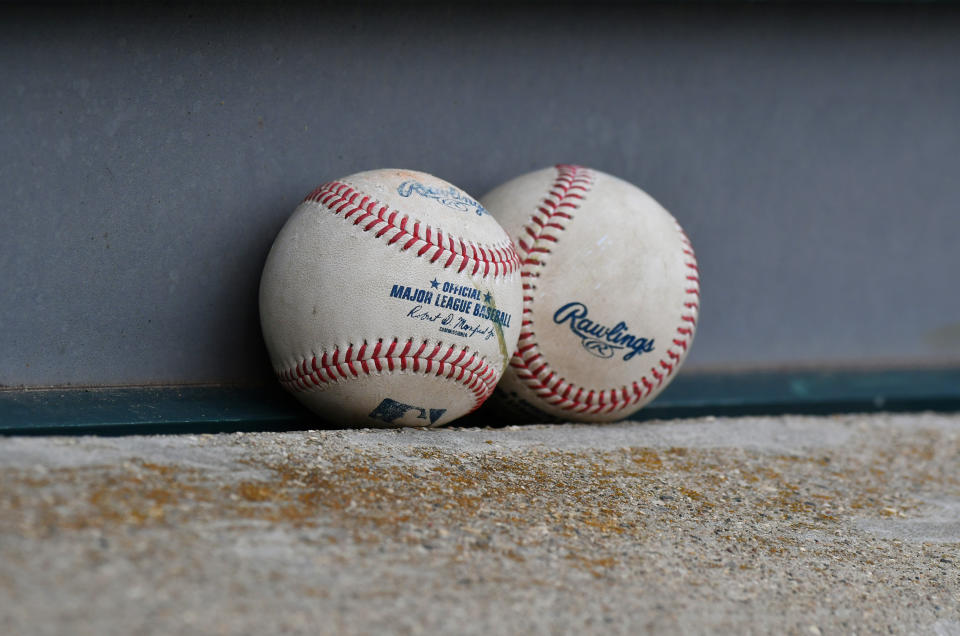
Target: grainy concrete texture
x: 798, y: 525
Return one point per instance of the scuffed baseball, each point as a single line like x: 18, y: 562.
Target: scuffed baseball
x: 390, y: 298
x: 611, y: 295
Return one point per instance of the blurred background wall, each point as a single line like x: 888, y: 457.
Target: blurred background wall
x: 149, y: 156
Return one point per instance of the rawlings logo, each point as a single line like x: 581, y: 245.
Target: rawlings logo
x: 600, y: 340
x: 449, y: 196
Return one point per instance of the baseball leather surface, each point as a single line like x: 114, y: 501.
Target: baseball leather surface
x: 390, y: 298
x: 611, y: 295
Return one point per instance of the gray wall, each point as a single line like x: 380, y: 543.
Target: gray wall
x: 148, y: 160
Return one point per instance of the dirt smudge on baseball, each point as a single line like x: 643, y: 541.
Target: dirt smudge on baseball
x: 501, y: 339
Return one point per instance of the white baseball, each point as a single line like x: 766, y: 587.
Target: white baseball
x: 391, y: 298
x: 611, y: 295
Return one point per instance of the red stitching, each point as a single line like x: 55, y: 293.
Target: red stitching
x: 327, y: 368
x: 341, y: 198
x: 570, y: 186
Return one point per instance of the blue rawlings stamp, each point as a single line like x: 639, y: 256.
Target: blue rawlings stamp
x: 601, y: 340
x: 449, y: 196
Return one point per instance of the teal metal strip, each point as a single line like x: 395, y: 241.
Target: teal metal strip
x: 148, y: 410
x: 807, y: 392
x: 191, y: 409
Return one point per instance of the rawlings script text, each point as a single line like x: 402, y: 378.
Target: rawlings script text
x: 449, y: 197
x: 600, y: 340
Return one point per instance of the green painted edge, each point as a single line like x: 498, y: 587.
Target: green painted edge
x: 215, y: 409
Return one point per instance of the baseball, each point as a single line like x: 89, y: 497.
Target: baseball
x: 610, y: 295
x: 390, y: 298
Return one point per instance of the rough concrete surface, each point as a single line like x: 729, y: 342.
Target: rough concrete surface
x: 799, y: 525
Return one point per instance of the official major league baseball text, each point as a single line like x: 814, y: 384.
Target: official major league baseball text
x: 425, y: 283
x: 585, y: 353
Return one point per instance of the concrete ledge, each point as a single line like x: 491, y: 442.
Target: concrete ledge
x: 805, y: 525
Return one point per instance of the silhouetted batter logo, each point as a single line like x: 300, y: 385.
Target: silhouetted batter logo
x: 390, y: 411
